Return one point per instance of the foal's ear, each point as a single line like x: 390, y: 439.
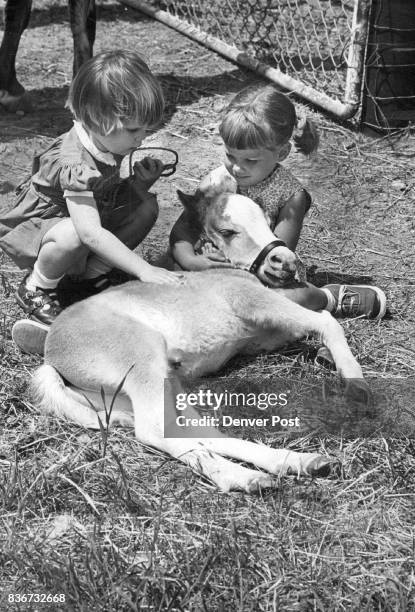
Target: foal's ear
x: 189, y: 200
x: 195, y: 206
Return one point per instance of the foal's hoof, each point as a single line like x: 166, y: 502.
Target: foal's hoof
x: 324, y: 359
x: 357, y: 390
x: 321, y: 467
x: 19, y: 104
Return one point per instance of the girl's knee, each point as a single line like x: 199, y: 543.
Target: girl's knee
x: 71, y: 243
x: 300, y: 204
x: 65, y: 238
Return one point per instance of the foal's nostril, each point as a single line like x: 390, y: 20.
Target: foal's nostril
x: 288, y: 267
x: 274, y: 259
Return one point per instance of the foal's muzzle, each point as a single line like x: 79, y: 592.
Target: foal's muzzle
x: 262, y: 255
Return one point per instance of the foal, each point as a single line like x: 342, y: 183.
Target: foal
x: 159, y: 334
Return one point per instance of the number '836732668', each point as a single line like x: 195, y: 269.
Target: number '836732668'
x: 36, y: 598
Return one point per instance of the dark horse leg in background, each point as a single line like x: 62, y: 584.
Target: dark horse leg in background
x: 82, y: 15
x: 16, y: 18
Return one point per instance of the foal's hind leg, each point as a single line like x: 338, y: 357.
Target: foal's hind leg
x: 205, y: 455
x: 74, y: 352
x: 153, y: 402
x: 153, y: 397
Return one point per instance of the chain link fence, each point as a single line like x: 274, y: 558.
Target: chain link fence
x: 314, y: 48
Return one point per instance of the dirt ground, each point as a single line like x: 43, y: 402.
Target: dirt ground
x: 361, y: 227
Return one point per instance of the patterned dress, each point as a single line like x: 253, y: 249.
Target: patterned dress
x: 66, y: 169
x: 272, y: 193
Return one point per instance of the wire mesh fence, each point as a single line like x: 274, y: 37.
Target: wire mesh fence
x: 314, y: 47
x: 389, y: 88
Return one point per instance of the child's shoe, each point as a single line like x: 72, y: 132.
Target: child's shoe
x: 86, y: 287
x: 40, y: 304
x: 30, y: 336
x: 358, y: 301
x: 73, y: 290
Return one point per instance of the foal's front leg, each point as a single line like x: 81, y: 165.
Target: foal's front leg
x: 290, y: 321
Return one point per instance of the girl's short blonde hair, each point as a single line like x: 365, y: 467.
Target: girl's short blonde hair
x: 113, y: 88
x: 261, y: 116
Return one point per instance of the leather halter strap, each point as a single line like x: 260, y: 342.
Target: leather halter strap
x: 261, y: 257
x: 168, y: 169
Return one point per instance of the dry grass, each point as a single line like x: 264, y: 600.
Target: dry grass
x: 130, y: 529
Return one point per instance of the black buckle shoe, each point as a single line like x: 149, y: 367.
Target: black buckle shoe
x: 71, y: 290
x: 41, y: 304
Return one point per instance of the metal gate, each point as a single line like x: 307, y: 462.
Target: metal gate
x: 314, y: 48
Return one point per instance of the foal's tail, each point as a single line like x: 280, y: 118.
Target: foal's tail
x: 51, y: 395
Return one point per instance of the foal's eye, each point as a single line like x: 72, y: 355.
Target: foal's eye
x: 227, y: 233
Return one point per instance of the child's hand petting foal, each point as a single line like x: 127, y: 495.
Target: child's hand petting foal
x: 215, y: 257
x: 160, y: 276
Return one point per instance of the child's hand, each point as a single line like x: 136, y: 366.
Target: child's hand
x: 146, y: 173
x: 160, y: 276
x: 210, y: 257
x: 213, y: 253
x: 207, y: 262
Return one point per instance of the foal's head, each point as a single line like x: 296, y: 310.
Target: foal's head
x: 238, y: 227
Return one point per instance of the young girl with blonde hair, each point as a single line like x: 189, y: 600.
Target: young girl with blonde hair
x: 76, y: 213
x: 258, y: 129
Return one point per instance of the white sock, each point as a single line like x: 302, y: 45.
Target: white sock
x: 331, y: 300
x: 37, y: 279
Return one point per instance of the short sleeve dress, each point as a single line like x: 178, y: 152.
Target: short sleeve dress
x: 65, y: 169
